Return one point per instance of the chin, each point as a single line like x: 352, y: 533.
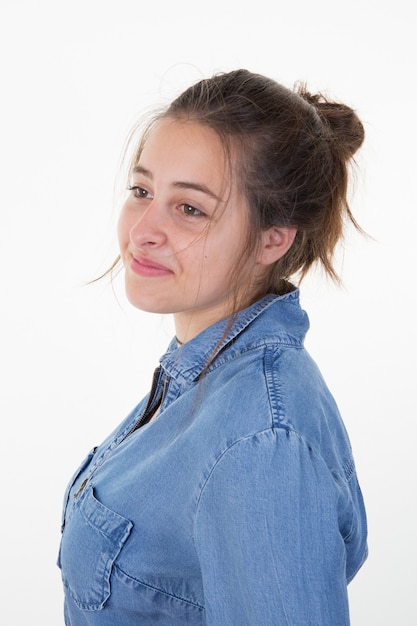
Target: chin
x: 147, y: 304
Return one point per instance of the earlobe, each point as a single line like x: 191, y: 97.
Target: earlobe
x: 275, y: 242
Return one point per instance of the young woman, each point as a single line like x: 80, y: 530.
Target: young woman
x: 229, y: 495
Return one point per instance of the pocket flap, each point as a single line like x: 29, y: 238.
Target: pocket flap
x: 91, y: 542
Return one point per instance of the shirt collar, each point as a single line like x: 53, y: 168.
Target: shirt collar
x: 185, y: 363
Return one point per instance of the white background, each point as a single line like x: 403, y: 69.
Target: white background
x: 74, y: 359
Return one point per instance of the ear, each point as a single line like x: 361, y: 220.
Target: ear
x: 275, y: 242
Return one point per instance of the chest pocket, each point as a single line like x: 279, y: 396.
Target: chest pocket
x: 91, y: 542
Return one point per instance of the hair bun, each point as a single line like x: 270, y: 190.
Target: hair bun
x: 345, y: 125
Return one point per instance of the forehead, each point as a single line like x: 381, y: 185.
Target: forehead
x: 181, y: 148
x: 170, y: 130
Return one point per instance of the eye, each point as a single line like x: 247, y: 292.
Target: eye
x: 191, y: 211
x: 139, y: 192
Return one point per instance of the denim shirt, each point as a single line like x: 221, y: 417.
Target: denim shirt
x: 237, y: 505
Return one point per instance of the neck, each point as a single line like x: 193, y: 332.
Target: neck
x: 189, y: 325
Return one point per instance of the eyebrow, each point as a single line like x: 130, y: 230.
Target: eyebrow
x: 139, y: 169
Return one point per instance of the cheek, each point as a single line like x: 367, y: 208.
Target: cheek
x: 218, y: 266
x: 123, y: 228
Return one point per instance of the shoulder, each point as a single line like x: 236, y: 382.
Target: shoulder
x: 269, y: 386
x: 260, y: 472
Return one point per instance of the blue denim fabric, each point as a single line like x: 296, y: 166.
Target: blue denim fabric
x: 238, y: 505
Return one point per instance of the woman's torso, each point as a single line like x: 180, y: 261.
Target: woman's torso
x: 132, y: 529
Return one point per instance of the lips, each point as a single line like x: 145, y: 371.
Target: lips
x: 147, y: 267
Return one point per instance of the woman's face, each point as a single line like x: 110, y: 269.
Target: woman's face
x: 183, y: 228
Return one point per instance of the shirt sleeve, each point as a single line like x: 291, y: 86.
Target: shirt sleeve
x: 270, y: 532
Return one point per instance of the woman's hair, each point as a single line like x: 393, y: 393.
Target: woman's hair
x: 293, y: 151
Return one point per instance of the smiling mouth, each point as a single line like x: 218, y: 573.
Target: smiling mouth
x: 145, y: 267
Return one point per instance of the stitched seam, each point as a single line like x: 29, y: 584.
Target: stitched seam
x: 225, y: 451
x: 224, y: 358
x: 154, y: 588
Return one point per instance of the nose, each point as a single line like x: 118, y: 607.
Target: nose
x: 147, y: 231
